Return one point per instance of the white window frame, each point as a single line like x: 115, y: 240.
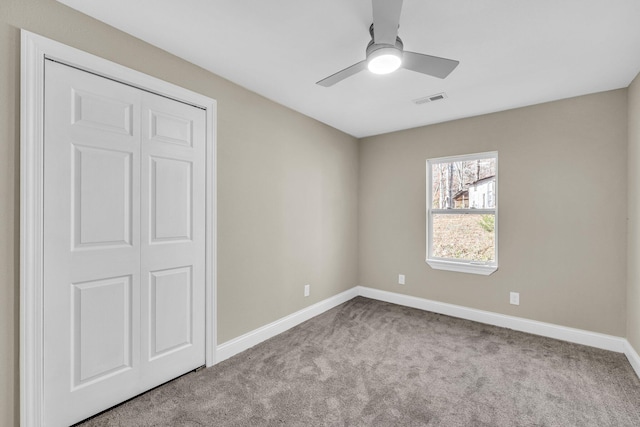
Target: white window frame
x: 450, y: 264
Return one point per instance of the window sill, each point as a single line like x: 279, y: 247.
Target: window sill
x: 462, y: 267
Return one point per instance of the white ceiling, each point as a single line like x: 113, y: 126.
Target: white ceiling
x: 512, y: 53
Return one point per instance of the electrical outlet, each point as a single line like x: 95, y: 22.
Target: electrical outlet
x: 307, y: 290
x: 514, y: 298
x: 400, y: 279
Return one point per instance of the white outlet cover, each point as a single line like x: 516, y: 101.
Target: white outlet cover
x: 400, y: 279
x: 514, y: 298
x: 306, y: 290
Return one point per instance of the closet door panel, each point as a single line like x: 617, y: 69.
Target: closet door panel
x: 91, y: 244
x: 173, y: 239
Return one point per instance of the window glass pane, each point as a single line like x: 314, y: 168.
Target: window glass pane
x: 463, y: 185
x: 464, y: 237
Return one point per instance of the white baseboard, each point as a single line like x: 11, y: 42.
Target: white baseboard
x: 248, y: 340
x: 633, y: 357
x: 578, y: 336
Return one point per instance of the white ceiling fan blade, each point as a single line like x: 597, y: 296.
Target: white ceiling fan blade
x: 386, y: 18
x: 430, y: 65
x: 341, y: 75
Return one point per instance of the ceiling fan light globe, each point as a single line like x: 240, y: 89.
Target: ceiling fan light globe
x: 384, y: 61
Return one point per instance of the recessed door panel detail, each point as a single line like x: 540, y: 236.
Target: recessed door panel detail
x: 102, y: 113
x: 170, y: 209
x: 170, y: 311
x: 101, y: 324
x: 102, y: 194
x: 170, y: 129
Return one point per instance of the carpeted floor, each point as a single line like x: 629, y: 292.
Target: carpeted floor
x: 369, y: 363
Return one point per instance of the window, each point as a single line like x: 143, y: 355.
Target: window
x: 462, y: 213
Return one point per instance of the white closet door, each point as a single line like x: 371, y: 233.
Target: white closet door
x: 91, y: 243
x: 123, y: 256
x: 172, y: 238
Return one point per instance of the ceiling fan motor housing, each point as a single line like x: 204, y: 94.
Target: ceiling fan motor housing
x: 384, y: 58
x: 373, y: 47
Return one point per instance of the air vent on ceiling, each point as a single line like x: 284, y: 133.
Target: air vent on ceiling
x: 430, y: 98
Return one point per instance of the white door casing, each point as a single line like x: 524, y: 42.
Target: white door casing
x: 85, y: 298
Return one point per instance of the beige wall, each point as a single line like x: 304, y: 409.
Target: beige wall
x: 287, y: 187
x: 562, y: 208
x: 633, y: 248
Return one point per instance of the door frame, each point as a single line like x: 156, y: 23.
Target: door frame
x: 35, y: 49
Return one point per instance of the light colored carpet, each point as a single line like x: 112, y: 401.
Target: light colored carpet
x: 369, y: 363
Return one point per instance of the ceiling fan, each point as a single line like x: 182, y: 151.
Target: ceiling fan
x: 385, y: 52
